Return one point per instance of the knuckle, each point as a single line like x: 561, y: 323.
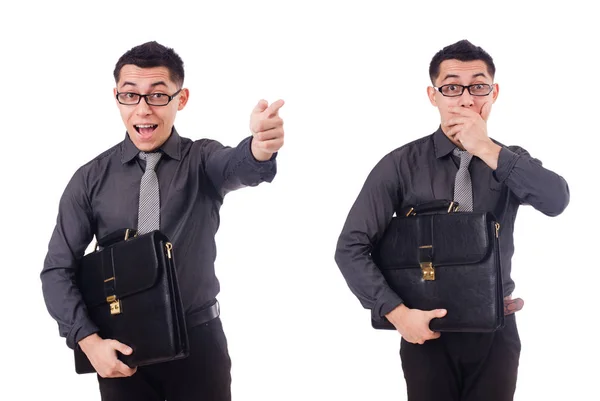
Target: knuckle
x: 277, y: 144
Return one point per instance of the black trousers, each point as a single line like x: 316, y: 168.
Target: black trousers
x: 204, y: 375
x: 463, y: 366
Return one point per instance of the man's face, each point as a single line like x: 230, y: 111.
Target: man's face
x: 461, y: 73
x: 149, y: 126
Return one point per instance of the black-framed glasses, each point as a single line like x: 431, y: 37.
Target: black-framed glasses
x: 452, y: 90
x: 152, y: 99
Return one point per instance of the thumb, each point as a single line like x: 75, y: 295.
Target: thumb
x: 260, y: 106
x: 438, y: 313
x: 486, y: 109
x: 122, y: 348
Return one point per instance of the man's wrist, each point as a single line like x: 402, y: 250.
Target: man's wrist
x: 490, y: 155
x: 399, y: 311
x: 85, y: 342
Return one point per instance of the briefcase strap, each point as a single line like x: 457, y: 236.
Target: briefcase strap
x: 444, y: 205
x: 116, y: 236
x: 202, y: 316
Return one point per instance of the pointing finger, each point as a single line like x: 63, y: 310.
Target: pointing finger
x: 274, y: 108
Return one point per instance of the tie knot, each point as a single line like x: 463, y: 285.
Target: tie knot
x: 151, y: 158
x: 465, y: 157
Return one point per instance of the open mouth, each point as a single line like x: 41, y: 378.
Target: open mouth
x: 145, y: 130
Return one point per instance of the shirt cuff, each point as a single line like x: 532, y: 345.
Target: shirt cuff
x: 80, y: 332
x: 266, y: 168
x: 506, y: 161
x: 386, y: 303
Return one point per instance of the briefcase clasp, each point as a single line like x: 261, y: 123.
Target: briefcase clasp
x: 169, y: 247
x: 428, y: 271
x: 115, y: 305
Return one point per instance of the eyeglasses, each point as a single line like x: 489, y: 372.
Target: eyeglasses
x: 152, y: 99
x: 452, y: 90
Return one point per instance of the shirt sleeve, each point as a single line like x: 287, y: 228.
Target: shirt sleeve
x: 71, y: 236
x: 232, y: 168
x: 367, y: 220
x: 531, y: 183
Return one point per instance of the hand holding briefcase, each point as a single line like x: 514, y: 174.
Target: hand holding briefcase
x: 131, y: 292
x: 444, y: 260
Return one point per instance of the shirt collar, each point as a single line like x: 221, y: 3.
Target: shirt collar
x: 442, y: 145
x: 171, y: 147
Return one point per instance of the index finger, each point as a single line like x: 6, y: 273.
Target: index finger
x: 463, y: 111
x: 273, y: 108
x: 434, y: 334
x: 485, y: 110
x: 124, y: 369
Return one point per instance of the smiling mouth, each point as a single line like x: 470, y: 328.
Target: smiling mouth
x: 145, y: 129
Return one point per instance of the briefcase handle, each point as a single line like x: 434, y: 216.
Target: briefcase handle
x: 116, y: 236
x: 433, y: 206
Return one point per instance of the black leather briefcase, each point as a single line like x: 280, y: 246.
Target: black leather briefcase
x: 130, y: 289
x: 444, y: 260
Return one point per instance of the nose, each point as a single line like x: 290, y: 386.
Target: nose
x: 142, y: 108
x: 466, y: 99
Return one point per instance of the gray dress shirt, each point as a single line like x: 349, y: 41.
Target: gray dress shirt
x: 423, y: 171
x: 103, y: 196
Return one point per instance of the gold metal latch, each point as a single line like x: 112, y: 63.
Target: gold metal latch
x: 428, y: 271
x: 115, y: 305
x: 169, y: 247
x: 453, y: 207
x: 497, y: 229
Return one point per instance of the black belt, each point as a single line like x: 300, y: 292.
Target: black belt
x: 202, y: 316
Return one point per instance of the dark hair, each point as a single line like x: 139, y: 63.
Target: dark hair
x: 153, y: 54
x: 463, y: 51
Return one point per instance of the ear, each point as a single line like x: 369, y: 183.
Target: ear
x: 115, y: 96
x: 184, y: 95
x: 431, y: 91
x: 495, y: 92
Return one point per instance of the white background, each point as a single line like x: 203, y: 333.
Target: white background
x: 354, y: 79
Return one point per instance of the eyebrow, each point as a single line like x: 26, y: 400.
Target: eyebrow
x: 153, y: 85
x: 477, y: 75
